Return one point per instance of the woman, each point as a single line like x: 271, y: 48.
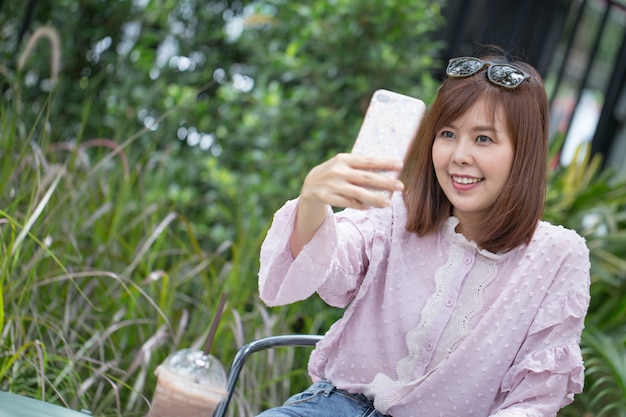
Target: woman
x: 460, y: 300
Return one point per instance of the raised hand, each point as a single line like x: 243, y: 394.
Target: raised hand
x: 346, y: 181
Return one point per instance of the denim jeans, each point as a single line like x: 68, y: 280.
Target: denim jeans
x: 322, y: 399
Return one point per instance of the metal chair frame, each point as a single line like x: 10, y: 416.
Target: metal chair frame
x: 246, y: 350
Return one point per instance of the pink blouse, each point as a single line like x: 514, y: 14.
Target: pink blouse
x: 435, y: 326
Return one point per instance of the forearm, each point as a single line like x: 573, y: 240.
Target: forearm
x: 284, y: 279
x: 309, y: 218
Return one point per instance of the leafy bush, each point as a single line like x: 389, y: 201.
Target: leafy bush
x: 593, y: 202
x: 118, y: 236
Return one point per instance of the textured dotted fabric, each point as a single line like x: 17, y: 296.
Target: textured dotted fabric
x: 435, y: 326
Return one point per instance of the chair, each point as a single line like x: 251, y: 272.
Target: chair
x: 256, y: 346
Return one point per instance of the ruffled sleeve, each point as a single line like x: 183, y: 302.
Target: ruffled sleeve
x: 333, y: 263
x: 548, y: 369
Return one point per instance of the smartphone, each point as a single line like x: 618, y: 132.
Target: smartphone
x: 389, y: 126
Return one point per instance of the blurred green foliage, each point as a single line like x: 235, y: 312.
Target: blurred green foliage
x: 138, y: 186
x: 593, y: 202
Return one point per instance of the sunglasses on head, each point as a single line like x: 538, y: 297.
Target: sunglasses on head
x: 504, y: 75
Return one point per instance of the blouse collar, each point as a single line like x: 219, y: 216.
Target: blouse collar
x: 461, y: 241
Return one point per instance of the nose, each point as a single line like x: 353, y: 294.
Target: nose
x: 462, y: 153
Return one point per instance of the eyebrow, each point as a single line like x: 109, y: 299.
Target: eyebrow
x: 487, y: 128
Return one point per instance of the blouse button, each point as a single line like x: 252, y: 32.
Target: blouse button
x: 467, y: 260
x: 429, y: 346
x: 449, y: 303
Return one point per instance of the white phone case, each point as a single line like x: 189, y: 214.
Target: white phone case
x: 390, y: 124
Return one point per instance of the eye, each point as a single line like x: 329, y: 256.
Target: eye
x: 446, y: 134
x: 483, y: 139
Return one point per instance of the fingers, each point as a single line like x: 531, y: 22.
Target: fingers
x: 352, y: 181
x: 376, y: 175
x: 371, y: 163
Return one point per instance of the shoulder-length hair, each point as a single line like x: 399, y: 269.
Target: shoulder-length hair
x: 512, y: 219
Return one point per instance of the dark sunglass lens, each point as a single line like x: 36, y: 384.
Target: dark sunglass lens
x: 463, y: 67
x: 506, y: 75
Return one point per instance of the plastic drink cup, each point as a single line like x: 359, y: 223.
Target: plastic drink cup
x: 190, y: 383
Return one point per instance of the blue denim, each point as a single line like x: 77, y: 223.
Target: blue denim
x: 322, y: 399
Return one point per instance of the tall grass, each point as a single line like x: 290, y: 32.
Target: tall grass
x: 101, y: 278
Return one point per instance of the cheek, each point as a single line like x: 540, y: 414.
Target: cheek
x: 440, y: 164
x: 439, y: 157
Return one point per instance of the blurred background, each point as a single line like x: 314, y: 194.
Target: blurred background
x: 146, y: 144
x: 578, y: 46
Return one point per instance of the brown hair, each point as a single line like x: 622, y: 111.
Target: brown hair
x: 512, y: 219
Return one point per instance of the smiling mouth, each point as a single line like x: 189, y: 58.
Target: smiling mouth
x: 467, y: 180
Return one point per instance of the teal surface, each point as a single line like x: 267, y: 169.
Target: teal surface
x: 13, y: 405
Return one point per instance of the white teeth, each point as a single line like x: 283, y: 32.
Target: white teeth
x: 466, y: 180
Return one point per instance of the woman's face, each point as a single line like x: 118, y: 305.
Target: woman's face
x: 472, y: 157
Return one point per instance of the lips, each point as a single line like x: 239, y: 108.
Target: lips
x: 466, y: 180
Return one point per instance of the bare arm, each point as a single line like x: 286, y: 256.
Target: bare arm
x: 342, y: 181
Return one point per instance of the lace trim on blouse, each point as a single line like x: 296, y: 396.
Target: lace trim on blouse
x: 387, y: 391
